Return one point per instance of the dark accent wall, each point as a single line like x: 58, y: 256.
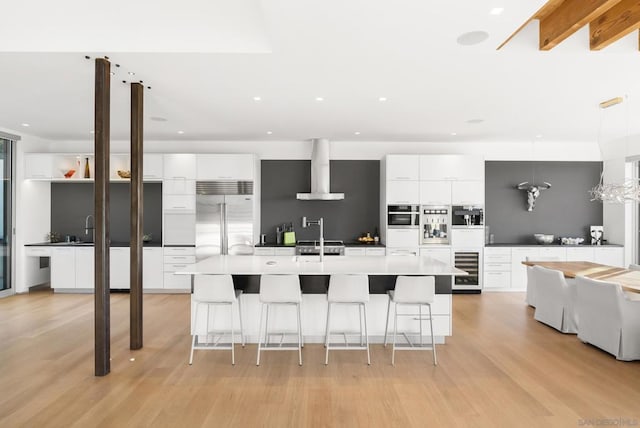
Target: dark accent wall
x: 563, y: 210
x: 357, y: 213
x: 71, y: 203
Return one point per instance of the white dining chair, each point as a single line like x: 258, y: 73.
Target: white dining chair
x: 531, y: 284
x: 608, y: 319
x: 554, y: 300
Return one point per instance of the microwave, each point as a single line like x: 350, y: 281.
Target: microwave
x: 403, y: 216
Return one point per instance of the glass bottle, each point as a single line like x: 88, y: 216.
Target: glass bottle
x: 87, y: 173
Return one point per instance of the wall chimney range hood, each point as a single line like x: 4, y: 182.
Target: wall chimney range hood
x: 320, y: 174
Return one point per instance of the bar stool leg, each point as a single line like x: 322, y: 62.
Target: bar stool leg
x: 195, y: 334
x: 361, y: 331
x: 433, y: 340
x: 326, y: 331
x: 386, y: 326
x: 420, y: 320
x: 266, y: 327
x: 366, y: 333
x: 326, y: 337
x: 260, y: 334
x: 299, y: 335
x: 207, y: 323
x: 242, y: 339
x: 395, y: 331
x: 233, y: 342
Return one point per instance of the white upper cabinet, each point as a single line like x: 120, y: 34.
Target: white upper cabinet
x: 180, y: 166
x: 38, y: 165
x: 435, y: 192
x: 152, y: 166
x: 403, y: 192
x: 451, y: 167
x: 403, y: 167
x: 467, y: 192
x: 225, y: 167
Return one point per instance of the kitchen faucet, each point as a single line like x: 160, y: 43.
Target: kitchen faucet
x: 320, y: 222
x: 87, y: 228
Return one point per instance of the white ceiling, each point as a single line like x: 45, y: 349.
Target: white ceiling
x: 350, y: 53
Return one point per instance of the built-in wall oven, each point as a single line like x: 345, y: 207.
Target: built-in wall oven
x: 467, y: 216
x: 403, y: 216
x: 470, y: 261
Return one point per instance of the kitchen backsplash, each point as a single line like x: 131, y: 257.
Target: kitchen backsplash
x: 346, y: 219
x: 72, y: 202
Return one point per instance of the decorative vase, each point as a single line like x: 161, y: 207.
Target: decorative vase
x: 87, y: 173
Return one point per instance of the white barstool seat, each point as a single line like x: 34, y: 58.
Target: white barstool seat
x: 348, y: 290
x: 412, y: 291
x: 215, y: 290
x: 279, y: 290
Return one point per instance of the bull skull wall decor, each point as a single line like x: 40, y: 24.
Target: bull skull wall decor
x: 533, y: 191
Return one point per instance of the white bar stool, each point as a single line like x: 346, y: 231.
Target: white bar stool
x: 412, y: 291
x: 215, y: 290
x: 279, y: 290
x: 348, y: 290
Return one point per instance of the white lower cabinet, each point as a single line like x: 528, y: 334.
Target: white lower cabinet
x: 264, y: 251
x: 613, y: 256
x: 63, y: 268
x: 282, y: 251
x: 575, y: 254
x: 403, y: 251
x: 375, y: 252
x: 119, y: 267
x: 440, y: 254
x: 152, y: 268
x: 175, y: 259
x: 85, y: 264
x: 361, y: 251
x: 503, y: 268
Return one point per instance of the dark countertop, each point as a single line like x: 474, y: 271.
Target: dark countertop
x: 346, y: 244
x: 552, y: 245
x: 88, y: 244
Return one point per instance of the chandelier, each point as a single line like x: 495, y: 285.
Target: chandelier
x: 621, y: 192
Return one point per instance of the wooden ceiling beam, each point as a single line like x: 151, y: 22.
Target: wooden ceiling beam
x: 545, y: 10
x: 568, y: 18
x: 615, y: 23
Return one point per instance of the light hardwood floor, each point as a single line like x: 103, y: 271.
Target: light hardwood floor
x: 500, y: 369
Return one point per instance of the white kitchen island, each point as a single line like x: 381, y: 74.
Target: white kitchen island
x: 314, y: 305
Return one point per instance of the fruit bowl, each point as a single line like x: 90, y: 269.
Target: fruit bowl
x: 124, y: 174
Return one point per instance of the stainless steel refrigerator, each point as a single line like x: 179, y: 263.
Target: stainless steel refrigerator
x: 224, y: 218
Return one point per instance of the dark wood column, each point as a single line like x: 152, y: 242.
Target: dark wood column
x: 137, y: 229
x: 101, y: 217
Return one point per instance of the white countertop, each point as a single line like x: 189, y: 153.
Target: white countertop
x: 309, y: 265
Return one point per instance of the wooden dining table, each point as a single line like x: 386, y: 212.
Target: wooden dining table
x: 628, y: 279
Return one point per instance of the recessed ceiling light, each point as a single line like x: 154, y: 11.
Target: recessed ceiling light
x: 26, y: 125
x: 319, y: 99
x: 180, y: 132
x: 158, y: 119
x: 257, y: 99
x: 131, y: 73
x: 382, y: 99
x: 472, y: 38
x: 269, y: 132
x: 496, y: 11
x: 357, y: 133
x: 475, y: 121
x: 454, y: 133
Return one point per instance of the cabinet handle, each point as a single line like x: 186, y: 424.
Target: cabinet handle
x: 403, y: 178
x: 179, y: 206
x: 180, y: 266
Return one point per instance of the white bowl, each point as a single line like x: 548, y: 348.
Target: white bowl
x: 542, y: 238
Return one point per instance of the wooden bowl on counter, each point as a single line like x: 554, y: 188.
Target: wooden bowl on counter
x: 124, y: 174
